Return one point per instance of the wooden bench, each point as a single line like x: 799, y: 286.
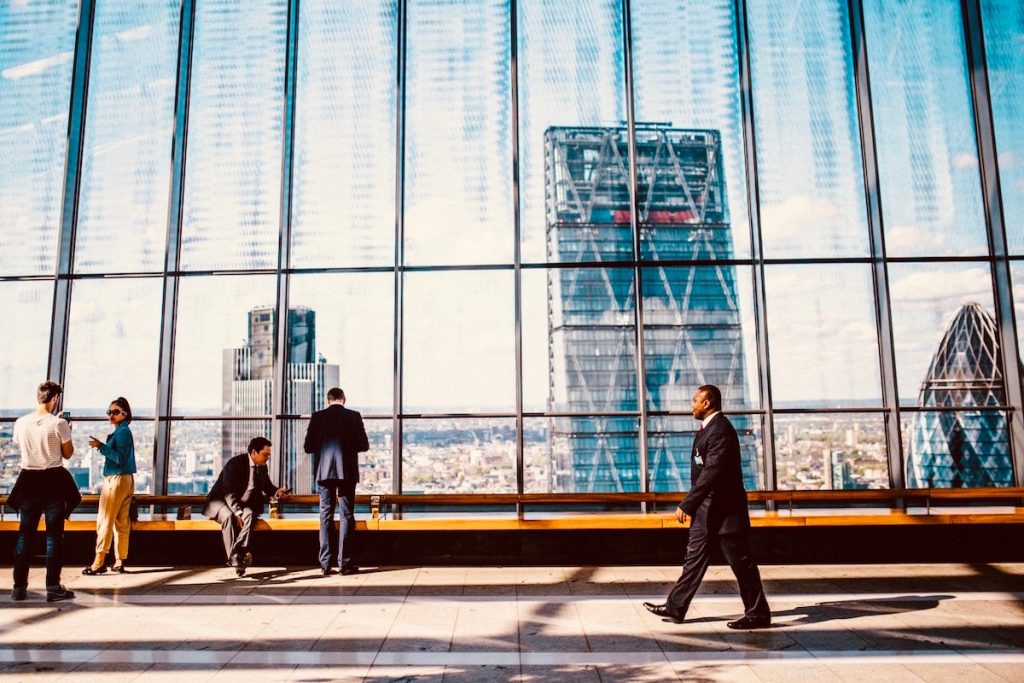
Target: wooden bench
x: 386, y: 511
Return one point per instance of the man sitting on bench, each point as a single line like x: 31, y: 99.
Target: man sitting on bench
x: 236, y: 500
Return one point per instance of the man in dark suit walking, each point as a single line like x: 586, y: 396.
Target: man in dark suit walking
x: 236, y: 500
x: 335, y: 437
x: 717, y: 505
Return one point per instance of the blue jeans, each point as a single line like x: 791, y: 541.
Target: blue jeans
x: 52, y: 509
x: 344, y: 491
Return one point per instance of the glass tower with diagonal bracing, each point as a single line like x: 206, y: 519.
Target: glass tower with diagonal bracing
x: 692, y: 326
x: 969, y: 447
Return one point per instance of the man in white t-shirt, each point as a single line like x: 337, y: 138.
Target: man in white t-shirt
x: 42, y: 490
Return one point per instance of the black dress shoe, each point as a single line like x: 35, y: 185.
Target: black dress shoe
x: 664, y: 612
x: 327, y: 571
x: 749, y: 622
x: 89, y: 571
x: 349, y: 569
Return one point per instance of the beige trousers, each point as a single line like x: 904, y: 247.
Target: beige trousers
x: 112, y: 517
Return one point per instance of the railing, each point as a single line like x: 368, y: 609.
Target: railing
x: 898, y: 499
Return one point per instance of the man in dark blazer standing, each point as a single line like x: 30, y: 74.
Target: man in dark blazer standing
x: 236, y: 500
x: 717, y: 505
x: 335, y: 437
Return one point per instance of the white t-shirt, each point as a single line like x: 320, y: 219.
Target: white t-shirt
x: 40, y: 437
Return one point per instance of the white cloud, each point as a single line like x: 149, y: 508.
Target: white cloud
x: 902, y: 239
x: 938, y: 284
x: 797, y: 215
x: 965, y: 161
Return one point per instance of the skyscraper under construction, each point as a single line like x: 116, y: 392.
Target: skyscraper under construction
x: 692, y: 329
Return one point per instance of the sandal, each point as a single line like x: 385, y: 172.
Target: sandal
x: 89, y: 571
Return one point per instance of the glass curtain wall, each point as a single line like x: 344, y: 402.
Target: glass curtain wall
x: 519, y: 234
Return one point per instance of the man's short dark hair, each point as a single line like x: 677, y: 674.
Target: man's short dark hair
x: 258, y: 444
x: 713, y: 394
x: 335, y: 394
x: 47, y: 390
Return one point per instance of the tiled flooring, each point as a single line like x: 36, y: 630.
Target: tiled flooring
x: 874, y: 623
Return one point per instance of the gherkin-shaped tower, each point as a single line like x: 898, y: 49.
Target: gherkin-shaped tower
x: 968, y: 447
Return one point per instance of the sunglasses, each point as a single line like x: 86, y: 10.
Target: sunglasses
x: 115, y: 412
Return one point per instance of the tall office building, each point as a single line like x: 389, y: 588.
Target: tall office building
x: 692, y: 329
x: 249, y: 388
x: 968, y: 447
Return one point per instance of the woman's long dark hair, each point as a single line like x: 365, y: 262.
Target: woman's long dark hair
x: 122, y: 403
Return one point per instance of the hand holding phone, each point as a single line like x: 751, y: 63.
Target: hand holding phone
x: 95, y: 442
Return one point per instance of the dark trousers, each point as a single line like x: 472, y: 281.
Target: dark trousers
x: 736, y: 548
x: 236, y: 541
x: 344, y: 492
x: 52, y: 510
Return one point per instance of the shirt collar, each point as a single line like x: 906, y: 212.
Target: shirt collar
x: 709, y: 418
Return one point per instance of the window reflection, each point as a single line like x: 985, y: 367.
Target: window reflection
x: 233, y: 178
x: 23, y: 355
x: 37, y: 42
x: 823, y: 337
x: 223, y: 353
x: 458, y: 172
x: 570, y: 60
x: 126, y: 164
x: 1003, y: 24
x: 459, y: 342
x: 351, y: 328
x: 343, y: 204
x: 808, y: 147
x: 113, y: 345
x: 924, y: 128
x: 690, y: 79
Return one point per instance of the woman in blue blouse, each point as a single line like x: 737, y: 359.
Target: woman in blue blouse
x: 118, y: 486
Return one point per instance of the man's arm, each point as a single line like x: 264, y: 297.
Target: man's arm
x: 67, y: 448
x: 311, y: 444
x: 715, y: 450
x: 228, y: 477
x: 362, y: 443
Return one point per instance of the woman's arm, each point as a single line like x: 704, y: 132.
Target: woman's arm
x: 117, y: 449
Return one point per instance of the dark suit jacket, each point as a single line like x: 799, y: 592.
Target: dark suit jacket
x: 716, y: 499
x: 336, y: 437
x: 234, y: 480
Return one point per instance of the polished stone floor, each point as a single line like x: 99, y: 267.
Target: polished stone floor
x: 874, y: 623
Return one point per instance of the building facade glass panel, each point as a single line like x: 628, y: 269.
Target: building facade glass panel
x: 458, y: 161
x: 126, y: 164
x: 214, y: 340
x: 37, y: 43
x: 571, y: 73
x: 197, y: 455
x: 343, y: 197
x: 924, y: 128
x: 23, y: 354
x: 824, y: 312
x: 1003, y: 22
x: 670, y: 444
x: 113, y: 345
x: 810, y: 171
x: 233, y: 176
x: 355, y: 331
x: 375, y: 466
x: 686, y: 78
x: 459, y: 455
x: 458, y: 352
x: 830, y: 451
